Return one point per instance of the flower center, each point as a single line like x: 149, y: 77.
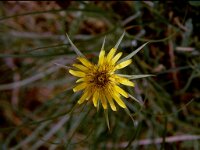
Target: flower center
x: 101, y: 79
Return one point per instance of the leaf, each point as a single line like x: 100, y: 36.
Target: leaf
x: 136, y: 76
x: 128, y: 112
x: 139, y: 101
x: 132, y: 54
x: 98, y: 105
x: 119, y: 41
x: 102, y: 48
x: 76, y: 50
x: 194, y: 3
x: 41, y: 55
x: 107, y: 118
x: 62, y: 66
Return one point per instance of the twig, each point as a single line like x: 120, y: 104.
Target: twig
x: 172, y: 61
x: 181, y: 26
x: 46, y: 35
x: 28, y: 80
x: 185, y: 49
x: 170, y: 139
x: 16, y: 77
x: 132, y: 17
x: 51, y: 132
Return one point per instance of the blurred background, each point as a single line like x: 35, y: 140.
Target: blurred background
x: 36, y: 95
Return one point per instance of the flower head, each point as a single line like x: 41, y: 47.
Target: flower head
x: 99, y: 82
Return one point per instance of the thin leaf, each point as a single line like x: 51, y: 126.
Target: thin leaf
x: 132, y: 54
x: 95, y: 11
x: 102, y: 48
x: 136, y: 76
x: 128, y: 112
x: 31, y: 55
x: 119, y: 41
x: 62, y: 66
x: 76, y: 50
x: 98, y: 105
x: 139, y: 101
x: 107, y: 118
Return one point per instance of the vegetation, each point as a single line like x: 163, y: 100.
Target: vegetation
x: 38, y: 108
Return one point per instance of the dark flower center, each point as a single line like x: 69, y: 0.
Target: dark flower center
x: 100, y: 79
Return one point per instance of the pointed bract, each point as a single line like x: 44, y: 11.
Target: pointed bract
x: 77, y: 51
x: 119, y: 41
x: 136, y: 76
x: 133, y: 53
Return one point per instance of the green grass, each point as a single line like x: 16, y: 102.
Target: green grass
x: 38, y: 109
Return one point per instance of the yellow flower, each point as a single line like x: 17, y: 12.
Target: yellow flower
x: 99, y: 82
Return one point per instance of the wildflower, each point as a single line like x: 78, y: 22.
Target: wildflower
x: 99, y: 82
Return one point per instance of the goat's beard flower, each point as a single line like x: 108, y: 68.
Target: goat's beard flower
x: 99, y: 82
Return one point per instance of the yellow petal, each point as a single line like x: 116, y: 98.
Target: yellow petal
x: 121, y: 91
x: 111, y: 54
x: 79, y: 87
x: 123, y: 64
x: 77, y: 73
x: 83, y: 97
x: 95, y: 98
x: 116, y: 58
x: 103, y: 100
x: 118, y: 100
x: 109, y: 98
x: 80, y: 80
x: 101, y: 57
x: 112, y: 105
x: 81, y: 67
x: 125, y: 81
x: 90, y: 92
x: 84, y: 61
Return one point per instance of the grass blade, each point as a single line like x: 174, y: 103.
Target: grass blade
x: 136, y: 76
x: 76, y: 50
x: 119, y: 41
x: 133, y: 53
